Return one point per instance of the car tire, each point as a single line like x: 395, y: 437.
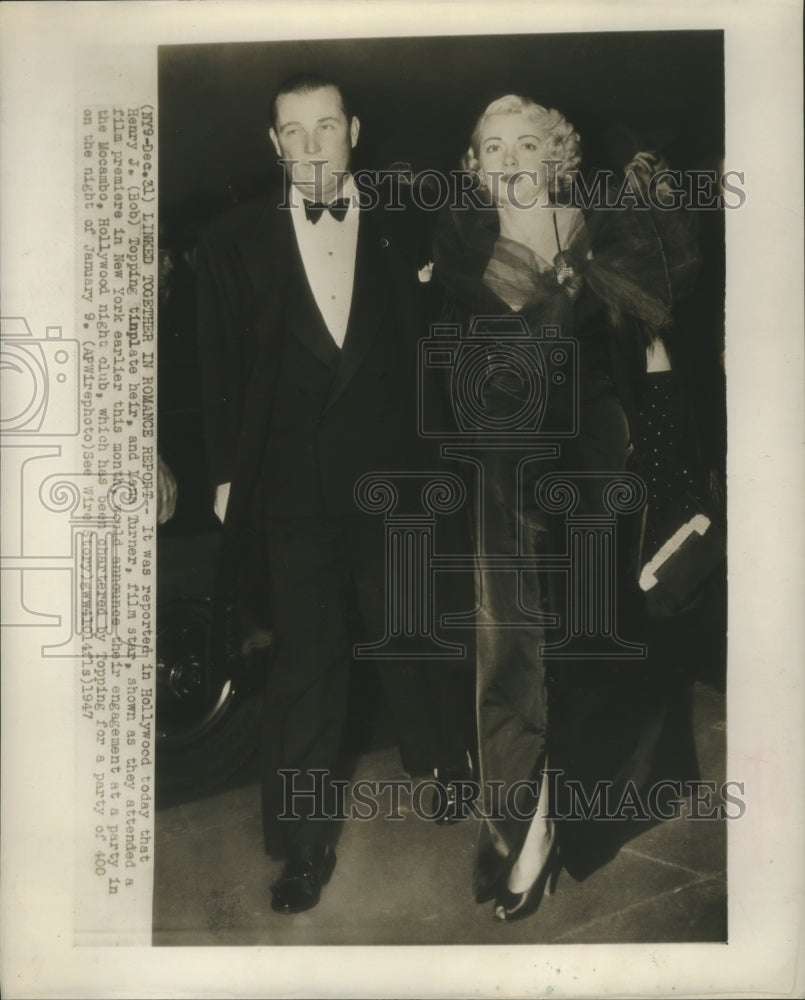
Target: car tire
x: 207, y: 728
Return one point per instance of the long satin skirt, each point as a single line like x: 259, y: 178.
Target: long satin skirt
x: 512, y: 620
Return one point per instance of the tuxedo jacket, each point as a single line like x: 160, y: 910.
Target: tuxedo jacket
x: 291, y: 420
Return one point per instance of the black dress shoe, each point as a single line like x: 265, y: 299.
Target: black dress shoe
x: 299, y: 887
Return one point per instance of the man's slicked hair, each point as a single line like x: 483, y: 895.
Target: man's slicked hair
x: 307, y: 83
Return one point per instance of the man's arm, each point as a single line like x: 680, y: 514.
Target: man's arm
x: 220, y: 345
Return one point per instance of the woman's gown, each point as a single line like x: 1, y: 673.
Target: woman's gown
x: 586, y: 720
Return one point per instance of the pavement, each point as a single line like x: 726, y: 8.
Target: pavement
x: 409, y: 881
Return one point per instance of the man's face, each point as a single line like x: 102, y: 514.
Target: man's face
x: 312, y: 130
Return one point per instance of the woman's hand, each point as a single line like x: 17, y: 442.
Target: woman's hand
x: 167, y: 492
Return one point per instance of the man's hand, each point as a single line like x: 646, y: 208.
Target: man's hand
x: 221, y: 500
x: 166, y: 492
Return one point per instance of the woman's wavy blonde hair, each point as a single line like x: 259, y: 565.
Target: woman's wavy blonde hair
x: 562, y: 140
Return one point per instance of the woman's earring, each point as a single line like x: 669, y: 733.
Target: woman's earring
x: 481, y: 178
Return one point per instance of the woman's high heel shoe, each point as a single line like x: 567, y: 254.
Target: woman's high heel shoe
x: 510, y: 906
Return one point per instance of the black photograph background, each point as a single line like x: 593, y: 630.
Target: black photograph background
x: 417, y: 100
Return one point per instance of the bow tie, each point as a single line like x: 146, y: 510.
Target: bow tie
x: 337, y: 208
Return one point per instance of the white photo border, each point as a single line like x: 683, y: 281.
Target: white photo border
x: 764, y: 363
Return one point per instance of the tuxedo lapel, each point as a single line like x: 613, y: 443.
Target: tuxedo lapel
x: 266, y: 258
x: 274, y: 263
x: 368, y: 307
x: 265, y: 250
x: 277, y: 262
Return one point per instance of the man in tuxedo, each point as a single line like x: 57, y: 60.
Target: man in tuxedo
x: 310, y: 309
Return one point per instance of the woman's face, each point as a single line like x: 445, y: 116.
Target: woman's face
x: 510, y: 156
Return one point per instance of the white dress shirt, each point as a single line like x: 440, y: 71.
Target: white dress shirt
x: 328, y: 251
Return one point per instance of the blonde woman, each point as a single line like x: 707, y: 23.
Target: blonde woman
x: 605, y: 280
